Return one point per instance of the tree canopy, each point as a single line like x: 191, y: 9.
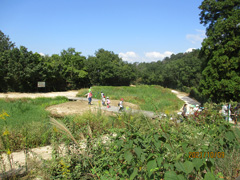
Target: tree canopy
x: 221, y: 69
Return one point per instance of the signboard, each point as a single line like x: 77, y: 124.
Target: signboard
x: 41, y: 84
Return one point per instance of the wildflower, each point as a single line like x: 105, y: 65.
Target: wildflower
x: 55, y: 129
x: 8, y: 152
x: 167, y: 112
x: 4, y: 115
x: 5, y: 133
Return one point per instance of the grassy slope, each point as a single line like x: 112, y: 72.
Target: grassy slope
x: 150, y: 98
x: 27, y: 124
x: 25, y: 111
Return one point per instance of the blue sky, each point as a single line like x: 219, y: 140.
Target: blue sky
x: 137, y: 30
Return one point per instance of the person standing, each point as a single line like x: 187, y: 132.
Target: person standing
x: 102, y: 94
x: 103, y: 101
x: 89, y: 97
x: 108, y: 102
x: 120, y: 104
x: 184, y: 112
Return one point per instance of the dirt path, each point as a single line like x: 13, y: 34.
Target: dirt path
x: 36, y: 95
x: 184, y: 96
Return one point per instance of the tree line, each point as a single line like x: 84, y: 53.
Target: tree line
x: 22, y: 69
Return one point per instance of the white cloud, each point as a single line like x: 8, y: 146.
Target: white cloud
x: 129, y: 56
x: 157, y: 55
x: 196, y: 38
x: 190, y: 49
x: 147, y: 57
x: 41, y: 54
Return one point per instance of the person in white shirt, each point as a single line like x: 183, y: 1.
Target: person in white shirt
x: 120, y: 104
x: 103, y: 101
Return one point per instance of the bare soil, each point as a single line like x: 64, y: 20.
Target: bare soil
x: 68, y: 108
x: 81, y: 106
x: 36, y: 95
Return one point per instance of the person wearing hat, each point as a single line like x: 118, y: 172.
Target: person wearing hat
x: 120, y: 104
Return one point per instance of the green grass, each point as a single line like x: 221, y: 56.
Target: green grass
x: 150, y: 98
x: 25, y: 111
x: 27, y: 121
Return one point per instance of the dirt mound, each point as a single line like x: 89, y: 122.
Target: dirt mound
x: 81, y: 106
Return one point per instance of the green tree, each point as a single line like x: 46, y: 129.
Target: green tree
x: 221, y: 69
x: 106, y: 68
x: 5, y: 43
x: 74, y: 71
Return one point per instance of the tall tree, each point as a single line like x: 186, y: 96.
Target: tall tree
x: 221, y: 70
x: 5, y: 43
x: 106, y: 68
x: 73, y: 68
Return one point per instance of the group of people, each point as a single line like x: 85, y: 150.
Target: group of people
x: 230, y: 113
x: 227, y: 111
x: 120, y: 104
x: 104, y: 101
x: 193, y: 110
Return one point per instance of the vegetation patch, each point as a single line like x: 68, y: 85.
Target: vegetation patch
x: 150, y: 98
x: 27, y: 120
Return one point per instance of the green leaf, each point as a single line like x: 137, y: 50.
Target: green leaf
x: 230, y: 136
x: 168, y: 147
x: 188, y: 167
x: 197, y: 163
x: 166, y: 165
x: 138, y: 151
x: 221, y: 141
x: 179, y: 166
x: 128, y: 156
x: 159, y: 161
x: 150, y: 166
x: 179, y: 156
x: 170, y: 175
x: 181, y: 177
x: 158, y: 144
x: 143, y: 157
x: 237, y: 132
x: 135, y: 172
x: 209, y: 176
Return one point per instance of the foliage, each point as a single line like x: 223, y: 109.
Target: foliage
x: 106, y: 68
x: 155, y: 149
x: 221, y: 69
x: 150, y: 98
x: 22, y: 69
x: 5, y: 43
x: 180, y: 71
x: 28, y: 119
